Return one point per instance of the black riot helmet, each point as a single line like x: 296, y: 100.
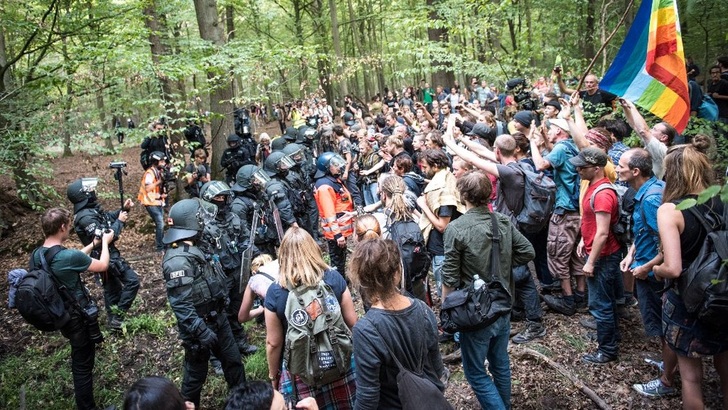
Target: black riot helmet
x: 233, y: 140
x: 295, y: 153
x: 187, y: 218
x: 277, y: 163
x: 82, y: 192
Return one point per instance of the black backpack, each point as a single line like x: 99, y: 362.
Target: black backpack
x: 538, y: 200
x: 622, y: 228
x: 703, y: 285
x: 413, y: 250
x: 39, y: 298
x: 415, y: 391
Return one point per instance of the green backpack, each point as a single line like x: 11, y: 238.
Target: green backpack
x: 318, y: 343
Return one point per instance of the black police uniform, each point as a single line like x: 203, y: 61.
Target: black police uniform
x: 234, y: 158
x: 244, y: 205
x: 121, y: 282
x: 197, y: 296
x: 223, y: 242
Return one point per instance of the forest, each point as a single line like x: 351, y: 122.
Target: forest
x: 69, y: 70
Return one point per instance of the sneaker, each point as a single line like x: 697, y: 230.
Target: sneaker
x: 623, y: 312
x: 659, y: 364
x: 580, y: 303
x: 115, y: 322
x: 655, y: 388
x: 216, y: 366
x: 630, y: 301
x: 588, y: 322
x: 534, y: 330
x: 559, y: 305
x: 598, y: 358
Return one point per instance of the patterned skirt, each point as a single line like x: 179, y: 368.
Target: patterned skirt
x: 338, y: 395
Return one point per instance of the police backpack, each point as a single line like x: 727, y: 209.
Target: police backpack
x: 318, y: 344
x: 39, y: 298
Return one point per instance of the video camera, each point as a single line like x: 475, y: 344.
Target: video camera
x: 117, y: 165
x: 517, y: 87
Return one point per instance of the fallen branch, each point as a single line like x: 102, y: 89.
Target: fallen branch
x: 578, y: 383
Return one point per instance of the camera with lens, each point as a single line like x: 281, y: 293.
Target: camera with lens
x: 91, y: 317
x: 201, y: 171
x: 117, y: 165
x: 517, y: 87
x: 98, y: 233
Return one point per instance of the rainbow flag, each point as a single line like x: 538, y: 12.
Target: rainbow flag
x: 649, y: 69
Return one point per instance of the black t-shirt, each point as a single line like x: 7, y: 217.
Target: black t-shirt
x: 600, y: 97
x: 435, y: 243
x: 721, y: 87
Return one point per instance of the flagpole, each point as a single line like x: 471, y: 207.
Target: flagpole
x: 601, y: 49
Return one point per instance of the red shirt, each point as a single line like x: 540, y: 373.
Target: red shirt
x: 605, y: 201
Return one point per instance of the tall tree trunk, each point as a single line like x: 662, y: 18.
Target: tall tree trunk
x: 443, y: 76
x: 156, y: 24
x: 589, y: 31
x: 230, y: 22
x: 221, y: 92
x: 337, y: 49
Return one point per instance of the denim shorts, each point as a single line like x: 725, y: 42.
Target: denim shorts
x: 685, y: 334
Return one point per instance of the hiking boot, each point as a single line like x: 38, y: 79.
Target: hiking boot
x: 246, y: 349
x: 534, y: 330
x: 655, y: 388
x: 588, y: 322
x: 559, y: 305
x: 517, y: 315
x: 216, y: 366
x: 598, y: 358
x: 623, y: 312
x: 115, y: 322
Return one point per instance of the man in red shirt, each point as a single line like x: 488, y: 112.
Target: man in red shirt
x: 601, y: 250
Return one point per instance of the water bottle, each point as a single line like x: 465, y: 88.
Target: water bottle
x: 477, y: 282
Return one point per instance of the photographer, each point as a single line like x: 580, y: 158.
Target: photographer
x: 152, y: 194
x: 82, y: 331
x: 120, y: 281
x: 197, y: 173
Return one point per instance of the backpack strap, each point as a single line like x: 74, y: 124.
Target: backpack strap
x: 495, y: 248
x: 46, y: 258
x: 266, y: 275
x: 401, y: 367
x: 598, y: 189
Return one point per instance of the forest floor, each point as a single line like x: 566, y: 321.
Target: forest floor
x: 150, y: 346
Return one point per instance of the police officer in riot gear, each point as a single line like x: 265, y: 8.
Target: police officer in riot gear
x: 300, y: 190
x: 223, y: 241
x: 250, y: 196
x: 198, y: 295
x: 277, y: 166
x: 234, y: 157
x: 120, y: 281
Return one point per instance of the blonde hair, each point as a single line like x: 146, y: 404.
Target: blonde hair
x: 393, y: 187
x: 687, y: 170
x: 300, y: 259
x: 259, y: 261
x: 367, y: 227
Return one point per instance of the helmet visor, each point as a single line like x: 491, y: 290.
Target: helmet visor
x: 296, y: 156
x: 89, y: 184
x: 207, y: 212
x: 286, y: 163
x: 337, y: 162
x: 260, y: 178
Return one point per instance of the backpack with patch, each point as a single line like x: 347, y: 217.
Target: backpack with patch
x: 412, y: 249
x: 318, y: 344
x: 622, y: 229
x: 39, y: 298
x: 414, y: 390
x: 538, y: 200
x: 703, y: 285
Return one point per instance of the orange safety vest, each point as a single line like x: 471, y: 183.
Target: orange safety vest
x: 154, y: 197
x: 333, y: 200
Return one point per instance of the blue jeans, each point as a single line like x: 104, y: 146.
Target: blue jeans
x: 437, y: 262
x: 370, y: 193
x: 527, y: 294
x: 157, y: 214
x: 650, y: 304
x: 491, y: 343
x: 604, y: 288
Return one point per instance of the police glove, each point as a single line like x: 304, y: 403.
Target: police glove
x: 207, y: 338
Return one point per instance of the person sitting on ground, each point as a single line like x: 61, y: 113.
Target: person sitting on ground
x: 260, y: 395
x: 155, y: 392
x: 393, y: 328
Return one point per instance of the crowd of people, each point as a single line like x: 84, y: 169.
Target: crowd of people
x: 352, y: 183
